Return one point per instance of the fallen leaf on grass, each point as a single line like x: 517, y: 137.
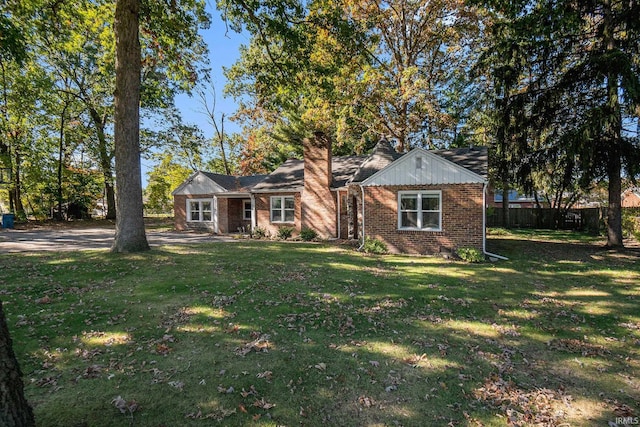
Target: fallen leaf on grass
x: 252, y: 391
x: 266, y: 375
x: 263, y: 404
x: 163, y: 349
x: 260, y: 344
x: 176, y: 384
x: 224, y: 390
x: 124, y: 406
x: 415, y: 359
x: 365, y: 401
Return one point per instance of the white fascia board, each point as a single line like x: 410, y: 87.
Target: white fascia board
x: 202, y: 179
x: 410, y: 156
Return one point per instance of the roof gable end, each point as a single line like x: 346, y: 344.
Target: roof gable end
x: 198, y: 183
x: 422, y: 167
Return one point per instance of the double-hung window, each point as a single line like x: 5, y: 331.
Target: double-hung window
x: 246, y: 210
x: 200, y: 210
x: 420, y: 210
x: 282, y: 209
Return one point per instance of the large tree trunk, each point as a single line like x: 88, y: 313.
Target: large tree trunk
x: 613, y: 133
x: 14, y: 408
x: 130, y: 233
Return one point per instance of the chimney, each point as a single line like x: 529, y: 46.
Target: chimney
x: 317, y: 159
x: 318, y: 201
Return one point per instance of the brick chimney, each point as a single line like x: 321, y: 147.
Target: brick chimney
x: 317, y: 199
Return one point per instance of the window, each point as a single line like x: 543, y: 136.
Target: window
x: 282, y: 209
x: 246, y: 210
x: 420, y: 210
x: 199, y: 210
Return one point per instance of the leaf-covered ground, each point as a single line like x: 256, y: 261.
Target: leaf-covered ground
x: 263, y: 333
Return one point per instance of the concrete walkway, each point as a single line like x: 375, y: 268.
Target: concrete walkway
x: 75, y: 239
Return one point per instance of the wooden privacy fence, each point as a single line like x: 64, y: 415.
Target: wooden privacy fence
x: 588, y: 219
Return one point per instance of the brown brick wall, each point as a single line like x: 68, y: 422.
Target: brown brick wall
x: 461, y: 219
x: 180, y: 213
x: 235, y: 215
x: 318, y: 202
x: 263, y: 213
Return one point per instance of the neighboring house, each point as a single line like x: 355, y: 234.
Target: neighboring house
x: 631, y: 198
x: 418, y: 202
x: 517, y: 200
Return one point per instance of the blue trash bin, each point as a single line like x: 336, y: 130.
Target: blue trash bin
x: 7, y: 220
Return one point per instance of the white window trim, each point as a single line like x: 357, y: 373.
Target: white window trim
x: 419, y: 194
x: 282, y: 209
x: 246, y: 203
x: 200, y: 201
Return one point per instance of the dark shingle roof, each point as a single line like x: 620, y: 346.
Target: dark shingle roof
x: 346, y: 169
x: 382, y: 155
x: 290, y: 175
x: 236, y: 184
x: 473, y: 158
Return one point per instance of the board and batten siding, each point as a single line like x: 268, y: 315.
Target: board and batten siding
x: 420, y: 167
x: 199, y: 183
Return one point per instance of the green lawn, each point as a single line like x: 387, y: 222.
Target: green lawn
x: 264, y: 333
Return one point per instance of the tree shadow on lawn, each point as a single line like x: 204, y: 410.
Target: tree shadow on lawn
x: 276, y: 333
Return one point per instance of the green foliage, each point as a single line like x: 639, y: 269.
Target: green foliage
x: 374, y: 246
x: 285, y: 233
x: 631, y: 223
x: 308, y: 234
x: 163, y: 179
x: 258, y: 233
x: 472, y: 255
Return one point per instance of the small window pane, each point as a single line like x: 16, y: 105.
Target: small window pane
x: 430, y: 203
x: 194, y: 208
x: 276, y: 216
x: 206, y: 206
x: 288, y: 203
x: 289, y: 216
x: 276, y: 203
x: 409, y: 219
x: 409, y: 202
x: 430, y: 220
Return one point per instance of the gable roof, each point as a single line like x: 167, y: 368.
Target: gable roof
x: 476, y: 159
x: 236, y: 184
x: 422, y: 167
x: 214, y: 183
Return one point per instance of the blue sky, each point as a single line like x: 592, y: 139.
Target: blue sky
x: 224, y: 47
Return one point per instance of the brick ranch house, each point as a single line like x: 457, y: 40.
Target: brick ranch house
x: 419, y: 202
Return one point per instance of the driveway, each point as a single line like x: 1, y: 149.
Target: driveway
x: 75, y: 239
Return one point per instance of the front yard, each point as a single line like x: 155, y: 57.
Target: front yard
x: 264, y: 333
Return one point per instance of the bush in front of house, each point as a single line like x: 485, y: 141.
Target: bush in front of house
x: 308, y: 234
x: 258, y: 233
x: 472, y: 255
x: 374, y: 246
x: 285, y: 232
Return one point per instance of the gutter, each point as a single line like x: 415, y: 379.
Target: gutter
x: 484, y: 225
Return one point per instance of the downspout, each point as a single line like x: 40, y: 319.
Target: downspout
x: 362, y: 231
x: 484, y: 225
